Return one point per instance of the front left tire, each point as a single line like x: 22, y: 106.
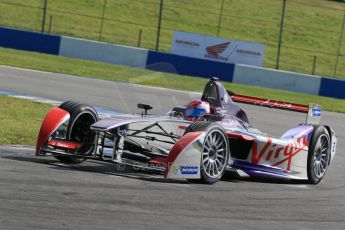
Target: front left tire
x: 215, y: 151
x: 82, y: 116
x: 215, y: 155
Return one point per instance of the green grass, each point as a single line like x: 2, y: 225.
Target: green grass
x: 20, y: 120
x: 145, y: 77
x: 312, y: 27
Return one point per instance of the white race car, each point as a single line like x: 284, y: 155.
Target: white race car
x: 196, y: 150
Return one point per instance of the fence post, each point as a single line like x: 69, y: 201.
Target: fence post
x: 159, y: 24
x: 50, y: 23
x: 220, y: 17
x: 139, y: 37
x: 314, y: 66
x: 280, y: 34
x: 44, y: 15
x: 102, y: 20
x: 339, y: 46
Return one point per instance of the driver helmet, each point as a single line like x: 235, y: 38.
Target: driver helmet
x: 196, y: 109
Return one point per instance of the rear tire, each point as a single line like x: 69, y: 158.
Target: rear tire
x: 215, y: 151
x: 319, y: 154
x: 82, y: 116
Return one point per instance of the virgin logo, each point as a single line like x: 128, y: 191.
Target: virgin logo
x: 277, y: 154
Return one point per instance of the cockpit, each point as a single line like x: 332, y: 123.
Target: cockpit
x: 216, y: 94
x: 220, y: 102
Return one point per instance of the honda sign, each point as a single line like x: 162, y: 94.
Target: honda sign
x: 217, y: 49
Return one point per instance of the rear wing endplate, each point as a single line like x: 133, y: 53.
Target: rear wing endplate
x: 314, y: 114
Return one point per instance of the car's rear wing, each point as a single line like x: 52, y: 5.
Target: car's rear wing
x: 269, y: 103
x: 313, y: 110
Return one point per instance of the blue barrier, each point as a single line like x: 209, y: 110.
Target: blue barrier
x: 332, y: 88
x: 171, y: 63
x: 30, y: 41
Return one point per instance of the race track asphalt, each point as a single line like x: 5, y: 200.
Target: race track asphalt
x: 41, y: 193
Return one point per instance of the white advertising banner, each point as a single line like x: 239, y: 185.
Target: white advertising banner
x: 217, y: 49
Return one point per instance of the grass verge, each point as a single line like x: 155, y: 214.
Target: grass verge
x: 20, y: 120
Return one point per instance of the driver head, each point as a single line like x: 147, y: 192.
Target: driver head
x: 196, y: 110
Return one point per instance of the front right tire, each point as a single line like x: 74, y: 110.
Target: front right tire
x: 319, y: 154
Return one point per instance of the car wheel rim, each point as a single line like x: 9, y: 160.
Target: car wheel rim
x: 321, y: 155
x: 214, y: 154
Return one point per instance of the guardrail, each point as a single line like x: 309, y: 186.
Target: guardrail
x: 189, y: 66
x: 303, y: 83
x: 137, y: 57
x: 103, y: 52
x: 30, y: 41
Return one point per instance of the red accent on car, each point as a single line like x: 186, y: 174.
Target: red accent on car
x: 178, y: 148
x: 293, y: 149
x: 183, y: 127
x: 270, y: 103
x: 242, y: 136
x: 63, y: 144
x: 158, y: 160
x: 51, y: 122
x: 257, y: 157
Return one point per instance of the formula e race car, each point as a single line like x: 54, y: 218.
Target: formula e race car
x: 195, y: 149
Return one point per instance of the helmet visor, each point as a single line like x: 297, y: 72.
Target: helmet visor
x: 195, y: 112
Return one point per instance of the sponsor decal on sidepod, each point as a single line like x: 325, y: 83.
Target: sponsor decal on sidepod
x: 271, y: 152
x: 186, y: 169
